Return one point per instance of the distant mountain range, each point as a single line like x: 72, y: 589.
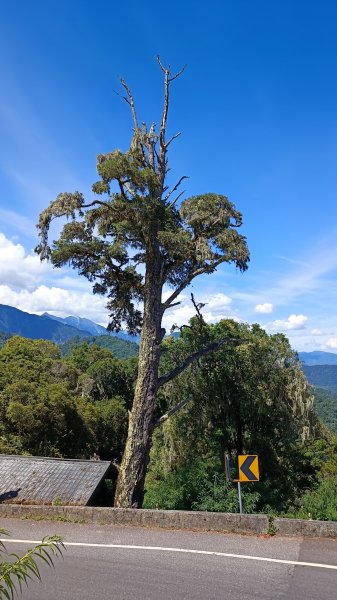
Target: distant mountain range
x: 322, y: 376
x: 326, y: 406
x: 91, y: 327
x: 320, y: 368
x: 318, y: 357
x: 49, y: 327
x: 36, y: 327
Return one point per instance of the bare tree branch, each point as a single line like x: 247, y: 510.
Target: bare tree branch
x: 175, y: 187
x: 162, y: 132
x: 171, y: 412
x: 162, y: 144
x: 161, y: 65
x: 168, y: 70
x: 198, y: 306
x: 177, y: 74
x: 205, y: 269
x: 177, y: 198
x: 130, y: 101
x: 193, y: 357
x: 95, y: 202
x: 174, y: 137
x: 175, y: 304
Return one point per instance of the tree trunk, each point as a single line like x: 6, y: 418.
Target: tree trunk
x: 130, y: 483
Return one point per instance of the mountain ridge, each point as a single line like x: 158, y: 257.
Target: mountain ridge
x: 322, y: 376
x: 19, y: 322
x: 91, y: 327
x: 50, y: 327
x: 318, y: 357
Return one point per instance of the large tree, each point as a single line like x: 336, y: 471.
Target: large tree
x: 135, y: 237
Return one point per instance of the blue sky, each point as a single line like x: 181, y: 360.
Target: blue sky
x: 257, y: 108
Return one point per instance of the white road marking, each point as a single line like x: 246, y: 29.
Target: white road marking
x: 183, y: 550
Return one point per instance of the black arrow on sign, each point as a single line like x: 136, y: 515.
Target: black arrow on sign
x: 245, y: 468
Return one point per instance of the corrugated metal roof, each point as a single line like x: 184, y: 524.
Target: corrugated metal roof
x: 35, y: 480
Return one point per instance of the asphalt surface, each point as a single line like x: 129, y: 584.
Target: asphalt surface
x: 156, y: 564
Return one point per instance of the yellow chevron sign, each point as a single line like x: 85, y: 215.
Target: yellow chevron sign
x: 248, y: 467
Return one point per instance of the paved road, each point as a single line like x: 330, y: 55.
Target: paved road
x: 103, y: 562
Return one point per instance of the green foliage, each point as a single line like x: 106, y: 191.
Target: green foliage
x: 108, y: 423
x: 326, y: 406
x: 175, y: 489
x: 318, y: 459
x: 38, y: 410
x: 110, y: 379
x: 320, y: 503
x: 64, y: 408
x: 251, y: 398
x: 84, y: 355
x: 4, y: 337
x: 78, y: 405
x: 322, y: 376
x: 119, y: 348
x: 196, y: 484
x: 57, y: 501
x: 221, y: 496
x: 15, y: 573
x: 320, y: 455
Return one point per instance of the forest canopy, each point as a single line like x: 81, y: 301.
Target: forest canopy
x: 253, y: 398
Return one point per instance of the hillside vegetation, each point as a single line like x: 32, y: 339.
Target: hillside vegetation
x: 251, y: 398
x: 4, y: 337
x: 326, y: 406
x: 119, y: 348
x: 322, y: 376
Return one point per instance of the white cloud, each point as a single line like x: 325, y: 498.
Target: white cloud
x: 19, y: 269
x: 293, y: 322
x: 316, y: 332
x: 217, y: 307
x: 218, y: 301
x: 331, y: 343
x: 56, y: 301
x: 22, y: 285
x: 267, y: 307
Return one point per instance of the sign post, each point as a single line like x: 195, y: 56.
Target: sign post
x: 228, y: 477
x: 240, y: 497
x: 248, y: 466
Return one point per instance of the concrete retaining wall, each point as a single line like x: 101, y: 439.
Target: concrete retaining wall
x: 174, y: 519
x: 306, y: 528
